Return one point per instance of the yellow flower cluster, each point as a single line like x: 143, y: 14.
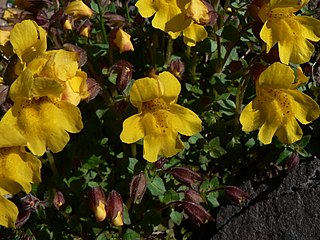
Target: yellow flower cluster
x: 278, y: 104
x: 46, y: 93
x: 176, y: 16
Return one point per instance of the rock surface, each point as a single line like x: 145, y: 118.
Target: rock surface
x: 289, y: 210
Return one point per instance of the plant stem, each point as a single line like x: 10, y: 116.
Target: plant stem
x: 51, y: 162
x: 103, y: 29
x: 169, y: 50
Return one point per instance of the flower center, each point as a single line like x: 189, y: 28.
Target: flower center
x: 160, y: 112
x: 279, y: 13
x: 154, y: 105
x: 282, y: 99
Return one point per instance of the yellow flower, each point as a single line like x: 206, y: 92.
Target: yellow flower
x: 176, y: 16
x: 18, y: 170
x: 78, y: 10
x: 159, y: 119
x: 28, y: 40
x: 122, y: 40
x: 278, y: 106
x: 42, y: 123
x: 291, y: 32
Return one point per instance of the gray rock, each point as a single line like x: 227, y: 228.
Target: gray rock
x: 287, y: 211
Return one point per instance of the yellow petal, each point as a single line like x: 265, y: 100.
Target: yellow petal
x: 151, y: 148
x: 117, y: 221
x: 184, y: 120
x: 293, y: 4
x: 267, y: 131
x: 143, y: 90
x: 132, y: 129
x: 27, y: 87
x: 250, y: 118
x: 193, y: 34
x: 310, y: 27
x: 122, y: 41
x: 269, y: 34
x: 301, y: 79
x: 198, y: 12
x: 78, y: 10
x: 28, y: 40
x: 289, y: 132
x: 146, y: 8
x: 4, y: 37
x: 170, y: 15
x: 9, y: 213
x: 44, y: 123
x: 305, y: 108
x: 170, y: 86
x: 9, y: 135
x: 298, y: 51
x: 276, y: 76
x: 18, y: 170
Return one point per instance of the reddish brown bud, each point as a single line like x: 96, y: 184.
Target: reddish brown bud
x: 68, y: 22
x: 121, y: 40
x: 58, y: 200
x: 93, y: 88
x: 177, y: 68
x: 235, y: 194
x: 97, y: 203
x: 124, y: 71
x: 114, y: 20
x: 160, y: 162
x: 292, y: 161
x: 138, y: 187
x: 196, y: 212
x: 115, y: 208
x: 193, y: 196
x: 186, y: 176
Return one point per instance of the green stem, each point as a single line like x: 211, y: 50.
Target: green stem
x: 51, y: 162
x: 103, y: 29
x: 169, y: 50
x: 133, y: 150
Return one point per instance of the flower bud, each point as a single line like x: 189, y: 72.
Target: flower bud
x: 115, y: 208
x: 256, y: 70
x: 58, y: 200
x: 193, y: 196
x: 292, y: 161
x: 120, y: 39
x: 78, y: 10
x: 138, y: 187
x: 67, y: 22
x: 114, y: 20
x: 196, y: 212
x: 186, y: 176
x: 97, y: 203
x: 177, y: 68
x: 85, y: 28
x: 93, y: 88
x: 4, y: 37
x: 124, y: 71
x: 22, y: 218
x: 235, y: 194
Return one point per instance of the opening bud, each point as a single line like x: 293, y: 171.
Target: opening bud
x: 236, y: 195
x: 58, y: 200
x: 97, y: 203
x: 115, y: 208
x: 124, y: 70
x: 121, y: 40
x: 78, y: 10
x: 177, y: 68
x: 201, y: 12
x: 138, y: 187
x: 85, y: 28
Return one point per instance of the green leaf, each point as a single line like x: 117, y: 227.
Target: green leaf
x: 93, y: 162
x: 170, y: 196
x: 176, y: 217
x: 126, y: 216
x: 156, y: 186
x: 131, y: 235
x: 304, y: 141
x: 284, y: 156
x: 132, y: 164
x: 212, y: 199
